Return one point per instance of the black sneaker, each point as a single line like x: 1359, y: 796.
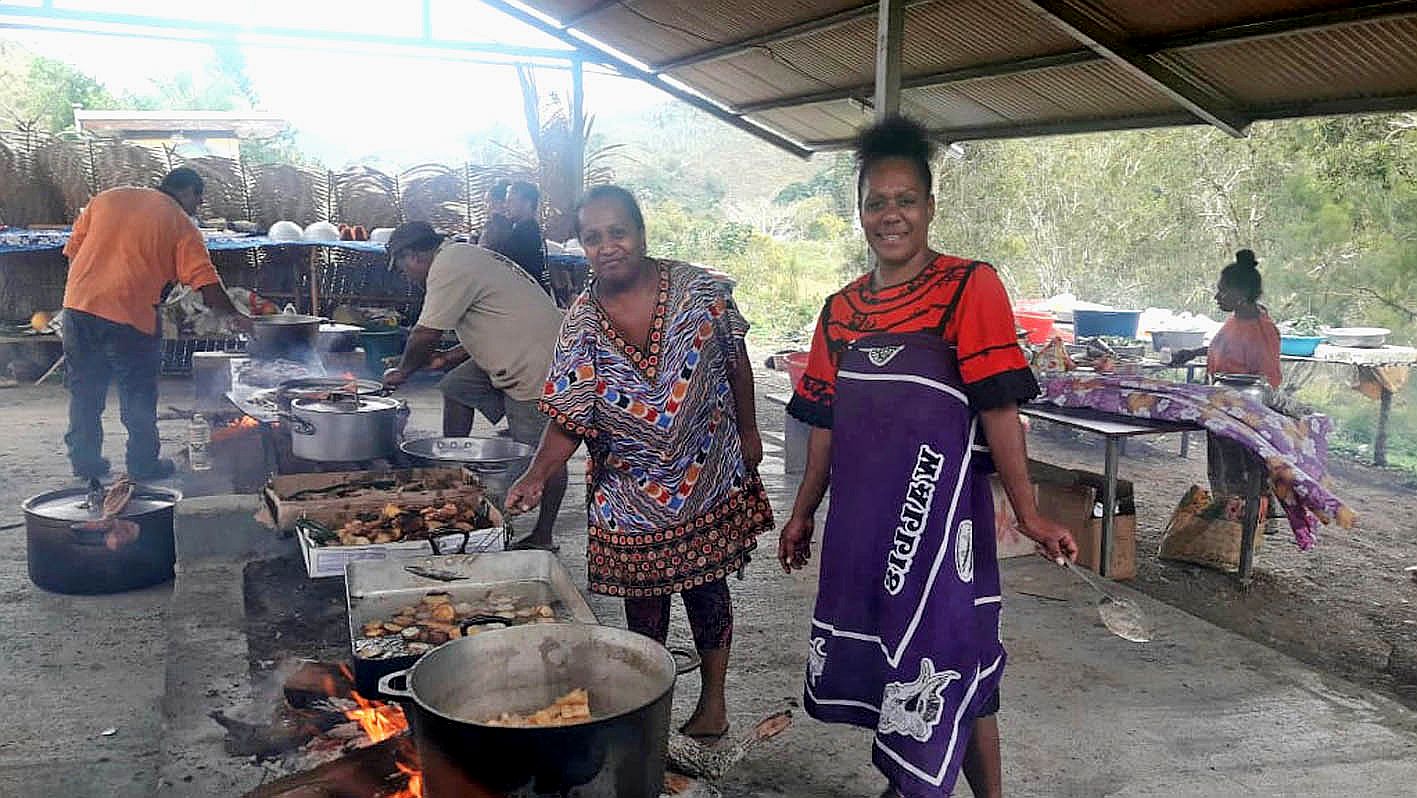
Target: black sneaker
x: 162, y: 469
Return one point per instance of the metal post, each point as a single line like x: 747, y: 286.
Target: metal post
x: 1109, y: 507
x: 578, y: 141
x: 890, y: 31
x: 1384, y: 414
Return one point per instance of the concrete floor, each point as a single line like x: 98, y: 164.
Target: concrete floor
x: 1198, y: 712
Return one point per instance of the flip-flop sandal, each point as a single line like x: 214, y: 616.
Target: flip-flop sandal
x: 707, y: 738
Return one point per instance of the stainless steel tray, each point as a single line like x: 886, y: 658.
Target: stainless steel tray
x: 376, y: 589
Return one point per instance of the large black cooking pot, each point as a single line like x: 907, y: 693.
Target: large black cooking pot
x: 619, y: 753
x: 287, y: 336
x: 64, y: 557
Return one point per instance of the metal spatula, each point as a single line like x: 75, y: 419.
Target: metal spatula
x: 1120, y: 615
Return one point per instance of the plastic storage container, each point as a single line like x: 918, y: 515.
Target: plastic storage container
x: 1299, y: 345
x: 1176, y: 339
x: 1037, y: 323
x: 1095, y: 323
x: 381, y: 345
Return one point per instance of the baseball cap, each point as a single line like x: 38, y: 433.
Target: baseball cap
x: 411, y: 235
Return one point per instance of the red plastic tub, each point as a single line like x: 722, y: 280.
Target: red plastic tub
x: 1037, y: 323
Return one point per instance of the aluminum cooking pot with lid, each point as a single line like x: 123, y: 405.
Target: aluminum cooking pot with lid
x: 345, y: 428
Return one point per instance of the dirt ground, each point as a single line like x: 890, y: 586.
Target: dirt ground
x: 1343, y: 607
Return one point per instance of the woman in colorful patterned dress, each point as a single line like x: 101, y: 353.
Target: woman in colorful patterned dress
x: 912, y: 389
x: 651, y: 373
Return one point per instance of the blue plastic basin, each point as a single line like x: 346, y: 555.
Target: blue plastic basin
x: 1299, y: 346
x: 1095, y: 323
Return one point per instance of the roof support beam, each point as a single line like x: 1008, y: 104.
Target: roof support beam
x: 1247, y: 31
x: 1353, y: 14
x: 1291, y: 110
x: 797, y: 31
x: 890, y: 32
x: 628, y: 69
x: 139, y: 25
x: 1090, y: 27
x: 862, y: 92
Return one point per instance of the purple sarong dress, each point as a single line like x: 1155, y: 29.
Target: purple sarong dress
x: 905, y: 635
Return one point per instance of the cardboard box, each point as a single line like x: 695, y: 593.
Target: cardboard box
x: 1008, y: 541
x: 1073, y: 498
x: 291, y: 497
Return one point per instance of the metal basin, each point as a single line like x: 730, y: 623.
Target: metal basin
x: 498, y: 462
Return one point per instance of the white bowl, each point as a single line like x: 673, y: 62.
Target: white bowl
x: 380, y: 235
x: 321, y: 231
x: 285, y: 231
x: 1357, y: 337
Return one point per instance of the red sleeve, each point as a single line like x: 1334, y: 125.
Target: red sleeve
x: 993, y: 366
x: 983, y: 329
x: 814, y: 395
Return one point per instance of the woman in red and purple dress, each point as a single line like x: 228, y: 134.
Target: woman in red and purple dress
x: 912, y: 390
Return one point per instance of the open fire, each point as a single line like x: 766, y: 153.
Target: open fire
x: 331, y: 740
x: 380, y: 722
x: 235, y: 428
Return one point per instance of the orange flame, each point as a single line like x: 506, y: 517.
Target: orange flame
x: 379, y: 721
x: 235, y: 428
x: 414, y: 789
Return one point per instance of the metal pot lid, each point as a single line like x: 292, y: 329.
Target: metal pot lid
x: 286, y: 320
x: 347, y: 404
x: 72, y: 504
x: 482, y: 451
x: 324, y: 385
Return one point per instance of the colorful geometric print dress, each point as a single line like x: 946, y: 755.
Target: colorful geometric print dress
x: 670, y: 504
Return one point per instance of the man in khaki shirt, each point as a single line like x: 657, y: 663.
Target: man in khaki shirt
x: 506, y: 323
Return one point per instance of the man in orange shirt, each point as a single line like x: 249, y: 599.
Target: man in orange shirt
x: 127, y: 247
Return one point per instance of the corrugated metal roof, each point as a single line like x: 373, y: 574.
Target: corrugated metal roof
x: 978, y: 68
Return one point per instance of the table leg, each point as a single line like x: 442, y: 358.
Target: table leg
x: 1109, y: 507
x: 1186, y: 436
x: 1249, y: 526
x: 1380, y: 440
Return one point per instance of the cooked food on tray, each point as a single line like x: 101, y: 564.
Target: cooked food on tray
x: 438, y: 617
x: 573, y: 707
x: 396, y: 523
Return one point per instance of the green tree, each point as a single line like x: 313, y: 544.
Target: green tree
x: 42, y: 92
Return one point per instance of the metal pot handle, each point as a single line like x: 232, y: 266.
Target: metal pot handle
x: 387, y: 687
x: 481, y: 620
x: 437, y: 547
x: 298, y: 426
x: 689, y: 659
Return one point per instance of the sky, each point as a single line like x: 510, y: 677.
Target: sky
x: 367, y: 105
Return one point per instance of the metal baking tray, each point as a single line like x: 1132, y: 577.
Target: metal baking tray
x: 376, y: 589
